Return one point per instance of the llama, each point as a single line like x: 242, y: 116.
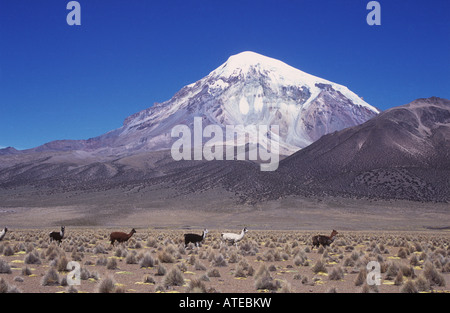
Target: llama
x: 57, y: 236
x: 323, y: 240
x: 194, y: 238
x: 120, y: 236
x: 3, y: 233
x: 234, y: 238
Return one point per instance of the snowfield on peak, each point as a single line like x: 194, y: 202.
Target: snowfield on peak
x: 252, y: 89
x: 248, y: 89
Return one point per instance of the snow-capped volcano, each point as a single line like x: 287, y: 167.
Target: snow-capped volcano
x: 251, y: 89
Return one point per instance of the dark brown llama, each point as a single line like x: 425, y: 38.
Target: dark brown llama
x: 323, y: 240
x: 120, y: 236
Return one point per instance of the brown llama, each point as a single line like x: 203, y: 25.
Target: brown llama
x: 120, y: 236
x: 323, y: 240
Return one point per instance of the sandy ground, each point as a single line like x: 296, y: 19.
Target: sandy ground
x: 285, y: 254
x: 287, y: 214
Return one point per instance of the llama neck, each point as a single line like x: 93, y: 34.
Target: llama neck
x: 241, y: 235
x: 204, y: 234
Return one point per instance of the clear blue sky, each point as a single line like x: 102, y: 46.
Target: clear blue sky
x: 76, y: 82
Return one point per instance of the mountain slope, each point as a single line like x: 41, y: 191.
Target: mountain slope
x: 248, y: 89
x: 403, y: 153
x: 253, y: 89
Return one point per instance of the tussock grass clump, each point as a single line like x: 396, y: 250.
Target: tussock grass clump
x: 174, y: 277
x: 111, y: 264
x: 160, y: 270
x: 392, y: 271
x: 301, y: 259
x: 409, y: 287
x: 8, y: 251
x: 107, y: 285
x: 4, y: 267
x: 32, y: 258
x: 244, y: 269
x: 422, y: 283
x: 362, y: 277
x: 26, y: 271
x: 432, y: 275
x: 166, y: 257
x: 7, y: 288
x: 147, y: 261
x: 213, y: 273
x: 263, y: 280
x: 199, y: 266
x: 369, y: 288
x: 100, y: 249
x: 219, y: 260
x: 336, y: 273
x: 196, y: 286
x: 61, y: 264
x: 102, y: 261
x: 131, y: 258
x: 319, y: 267
x: 51, y: 278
